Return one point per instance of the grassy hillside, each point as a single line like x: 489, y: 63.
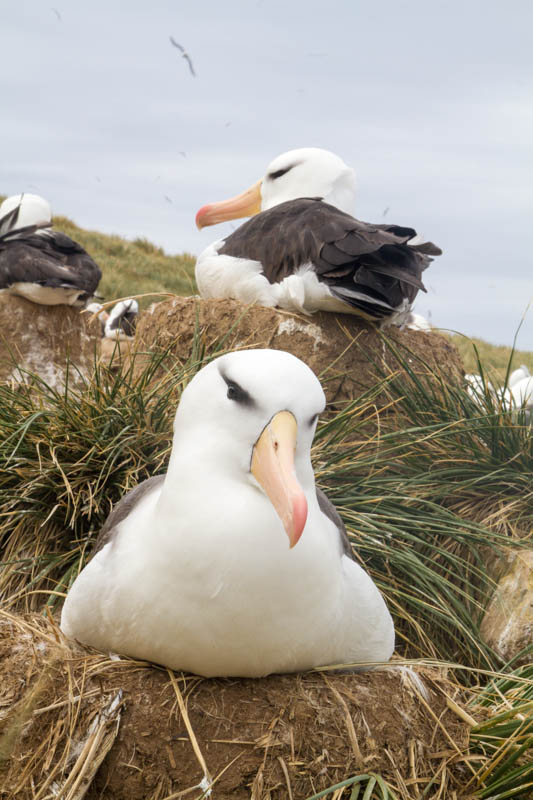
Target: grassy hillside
x: 495, y: 358
x: 132, y: 268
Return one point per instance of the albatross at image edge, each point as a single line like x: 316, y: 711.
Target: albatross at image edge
x: 38, y: 263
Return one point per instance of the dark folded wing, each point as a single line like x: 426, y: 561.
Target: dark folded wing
x: 126, y: 322
x: 371, y: 267
x: 329, y: 510
x: 51, y: 259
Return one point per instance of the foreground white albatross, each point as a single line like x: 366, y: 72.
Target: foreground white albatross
x: 38, y: 263
x: 232, y: 563
x: 305, y: 252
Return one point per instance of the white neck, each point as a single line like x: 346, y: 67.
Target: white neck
x: 342, y: 197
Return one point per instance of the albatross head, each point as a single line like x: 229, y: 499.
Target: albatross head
x: 307, y: 172
x: 22, y: 210
x: 250, y: 417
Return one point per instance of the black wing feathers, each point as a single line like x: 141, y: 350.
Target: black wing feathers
x: 51, y: 259
x: 371, y: 267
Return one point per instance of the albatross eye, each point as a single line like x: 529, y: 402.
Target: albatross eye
x: 233, y: 391
x: 238, y: 394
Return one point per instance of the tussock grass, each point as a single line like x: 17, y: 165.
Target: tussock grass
x: 476, y: 461
x: 373, y: 785
x: 431, y: 488
x: 66, y: 458
x: 505, y: 740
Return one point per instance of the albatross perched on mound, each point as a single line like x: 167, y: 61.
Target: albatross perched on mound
x: 38, y: 263
x: 122, y: 320
x: 303, y: 251
x: 233, y: 563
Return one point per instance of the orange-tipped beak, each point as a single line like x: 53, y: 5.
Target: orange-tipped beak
x: 243, y: 205
x: 273, y: 467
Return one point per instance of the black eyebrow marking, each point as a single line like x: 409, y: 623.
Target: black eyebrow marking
x: 237, y: 393
x: 279, y: 172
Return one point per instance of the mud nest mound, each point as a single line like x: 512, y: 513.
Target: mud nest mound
x: 76, y: 724
x: 48, y: 341
x: 343, y: 350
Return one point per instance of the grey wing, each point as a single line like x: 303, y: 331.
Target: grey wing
x: 327, y: 508
x: 371, y: 267
x: 40, y: 259
x: 189, y: 62
x: 86, y: 273
x: 176, y: 44
x: 123, y: 508
x: 19, y: 263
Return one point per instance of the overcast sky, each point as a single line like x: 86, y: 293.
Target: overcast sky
x: 431, y: 102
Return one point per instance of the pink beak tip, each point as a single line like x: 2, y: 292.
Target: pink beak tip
x: 299, y: 517
x: 199, y: 215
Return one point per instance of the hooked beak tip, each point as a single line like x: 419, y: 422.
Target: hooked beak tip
x: 198, y: 219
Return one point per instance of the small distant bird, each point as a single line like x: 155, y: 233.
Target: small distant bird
x: 522, y: 394
x: 386, y: 211
x: 184, y: 54
x: 504, y: 397
x: 58, y: 15
x: 478, y: 388
x: 38, y: 263
x: 519, y: 375
x: 167, y: 198
x: 122, y: 320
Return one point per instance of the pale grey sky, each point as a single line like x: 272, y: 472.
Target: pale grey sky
x: 431, y: 102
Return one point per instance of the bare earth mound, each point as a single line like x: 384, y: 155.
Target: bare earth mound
x: 41, y: 339
x: 340, y: 348
x: 80, y: 725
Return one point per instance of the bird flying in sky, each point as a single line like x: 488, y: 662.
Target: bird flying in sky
x: 184, y: 55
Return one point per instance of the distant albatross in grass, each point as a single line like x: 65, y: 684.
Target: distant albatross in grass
x: 38, y: 263
x: 233, y: 563
x: 303, y: 251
